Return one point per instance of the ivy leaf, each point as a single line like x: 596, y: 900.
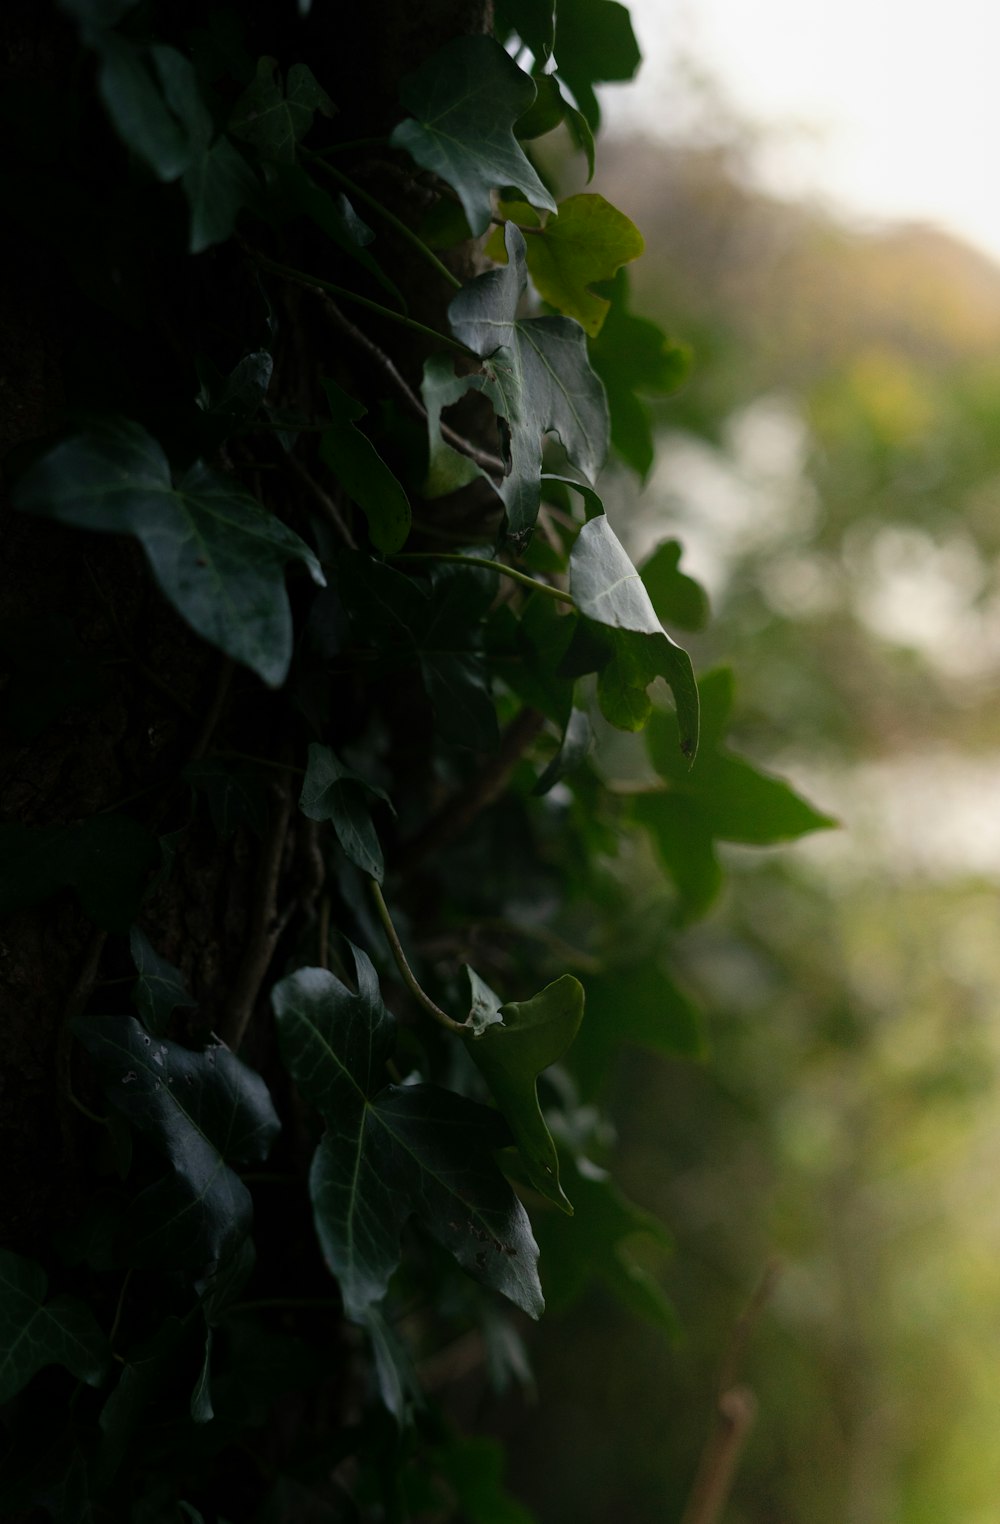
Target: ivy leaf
x: 275, y: 118
x: 511, y: 1054
x: 534, y: 21
x: 333, y: 792
x: 587, y: 241
x: 464, y: 101
x: 394, y: 1151
x: 35, y: 1333
x: 159, y: 989
x: 485, y: 1008
x: 293, y: 193
x: 609, y: 593
x: 634, y: 358
x: 538, y: 378
x: 136, y: 106
x: 233, y: 791
x: 105, y: 861
x: 675, y: 597
x: 577, y: 740
x: 398, y: 1384
x: 637, y: 1003
x: 721, y: 798
x: 595, y: 43
x: 363, y: 473
x: 594, y: 1245
x: 218, y: 183
x: 198, y: 1110
x: 471, y: 1470
x: 217, y: 555
x: 737, y: 801
x: 447, y: 468
x: 441, y: 628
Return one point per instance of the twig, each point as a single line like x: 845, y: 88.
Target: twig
x: 498, y: 566
x: 412, y: 238
x: 323, y: 500
x: 214, y: 715
x: 490, y: 463
x: 735, y: 1411
x: 458, y: 812
x: 406, y: 972
x: 266, y: 925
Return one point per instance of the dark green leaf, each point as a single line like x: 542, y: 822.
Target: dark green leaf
x: 234, y: 791
x: 685, y: 846
x: 292, y: 193
x: 609, y: 592
x: 220, y: 1289
x: 395, y: 1373
x: 105, y: 861
x: 632, y: 356
x: 217, y: 555
x: 594, y: 1245
x: 534, y: 21
x: 472, y: 1470
x: 145, y: 1374
x: 333, y: 792
x: 638, y: 1003
x: 447, y: 468
x: 586, y: 242
x: 538, y: 378
x: 275, y: 118
x: 737, y: 801
x: 35, y: 1333
x: 392, y: 1151
x: 546, y: 111
x: 159, y: 989
x: 363, y: 473
x: 464, y: 102
x: 201, y: 1397
x: 441, y: 628
x: 218, y: 184
x: 576, y: 743
x: 97, y: 12
x: 594, y: 43
x: 676, y: 598
x: 232, y: 401
x: 198, y: 1109
x: 511, y: 1054
x: 138, y: 111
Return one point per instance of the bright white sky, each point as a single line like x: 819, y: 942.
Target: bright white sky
x: 892, y: 108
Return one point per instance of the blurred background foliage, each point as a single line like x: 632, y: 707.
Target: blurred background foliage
x: 832, y: 470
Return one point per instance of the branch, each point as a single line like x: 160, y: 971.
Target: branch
x: 266, y: 925
x: 735, y: 1411
x: 490, y: 463
x: 323, y: 500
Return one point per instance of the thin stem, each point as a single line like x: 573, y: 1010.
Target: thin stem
x: 314, y: 282
x: 91, y: 1115
x: 412, y: 238
x: 112, y: 1336
x: 406, y: 973
x: 507, y: 571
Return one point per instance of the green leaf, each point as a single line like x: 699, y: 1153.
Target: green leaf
x: 200, y: 1406
x: 147, y: 1370
x: 159, y: 989
x: 485, y: 1008
x: 594, y: 43
x: 447, y: 468
x: 610, y: 594
x: 275, y: 118
x: 292, y: 193
x: 538, y: 378
x: 333, y: 792
x: 138, y: 111
x: 472, y: 1471
x: 545, y: 112
x: 464, y: 101
x: 511, y: 1054
x: 684, y: 845
x: 217, y: 555
x: 440, y: 628
x: 576, y: 743
x: 534, y: 21
x: 395, y: 1374
x: 633, y: 356
x: 594, y: 1245
x: 234, y: 792
x: 363, y: 473
x: 395, y: 1151
x: 587, y: 241
x: 218, y: 183
x: 676, y: 598
x: 638, y: 1003
x: 35, y: 1333
x: 737, y: 801
x: 105, y: 861
x: 198, y: 1110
